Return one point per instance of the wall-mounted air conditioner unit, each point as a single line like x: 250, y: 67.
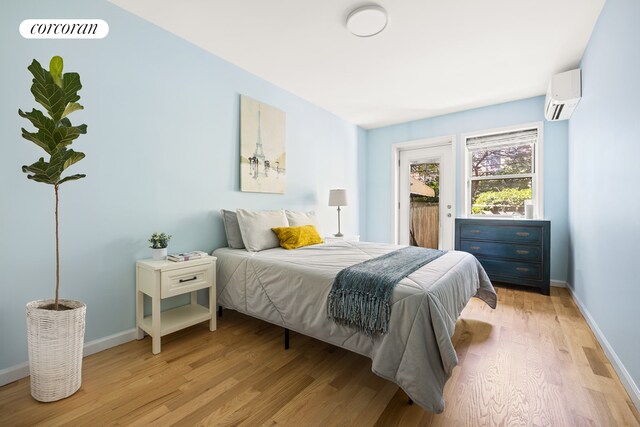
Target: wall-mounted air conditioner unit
x: 563, y: 95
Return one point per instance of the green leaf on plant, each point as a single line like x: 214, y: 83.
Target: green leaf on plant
x: 50, y: 97
x: 39, y: 139
x: 70, y: 108
x: 71, y: 87
x: 39, y: 120
x: 40, y: 75
x: 63, y: 136
x: 38, y: 171
x: 71, y: 157
x: 72, y: 178
x: 58, y: 94
x: 55, y: 69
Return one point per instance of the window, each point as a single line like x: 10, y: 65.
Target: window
x: 502, y: 172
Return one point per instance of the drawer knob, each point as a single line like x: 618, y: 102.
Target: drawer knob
x: 523, y: 269
x: 522, y: 252
x: 475, y: 231
x: 475, y: 248
x: 188, y: 280
x: 522, y: 233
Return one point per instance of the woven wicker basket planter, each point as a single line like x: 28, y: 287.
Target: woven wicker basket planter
x: 55, y: 340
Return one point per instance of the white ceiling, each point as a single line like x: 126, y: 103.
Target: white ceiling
x: 434, y: 57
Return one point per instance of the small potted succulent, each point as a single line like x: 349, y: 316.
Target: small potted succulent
x: 159, y: 243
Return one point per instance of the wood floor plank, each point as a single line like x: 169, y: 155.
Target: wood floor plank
x: 346, y: 412
x: 533, y: 361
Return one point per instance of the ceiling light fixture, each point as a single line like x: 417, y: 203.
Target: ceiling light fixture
x: 367, y: 21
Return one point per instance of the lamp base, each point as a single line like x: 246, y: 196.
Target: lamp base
x: 339, y: 234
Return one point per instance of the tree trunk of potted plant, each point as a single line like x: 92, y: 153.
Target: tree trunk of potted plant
x: 55, y: 328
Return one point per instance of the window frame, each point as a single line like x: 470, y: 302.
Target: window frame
x: 537, y: 187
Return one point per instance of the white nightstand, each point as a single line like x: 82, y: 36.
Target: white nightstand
x: 353, y: 238
x: 164, y: 279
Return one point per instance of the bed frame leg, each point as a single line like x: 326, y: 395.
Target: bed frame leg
x: 410, y: 401
x: 286, y: 339
x: 219, y: 311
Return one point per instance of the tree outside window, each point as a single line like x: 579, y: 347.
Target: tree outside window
x: 501, y: 179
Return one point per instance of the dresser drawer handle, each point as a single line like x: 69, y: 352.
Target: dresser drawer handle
x: 523, y: 269
x: 522, y: 252
x: 475, y: 232
x: 475, y: 248
x: 522, y: 233
x: 188, y: 280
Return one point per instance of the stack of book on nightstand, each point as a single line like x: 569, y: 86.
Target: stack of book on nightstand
x: 187, y: 256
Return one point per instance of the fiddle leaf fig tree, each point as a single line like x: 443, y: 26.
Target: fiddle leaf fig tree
x: 58, y: 95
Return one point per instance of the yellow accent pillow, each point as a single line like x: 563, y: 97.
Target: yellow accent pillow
x: 297, y: 237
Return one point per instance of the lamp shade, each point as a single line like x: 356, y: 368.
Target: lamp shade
x: 338, y: 197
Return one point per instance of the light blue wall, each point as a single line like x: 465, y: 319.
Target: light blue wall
x: 604, y: 201
x: 379, y: 168
x: 162, y: 154
x: 362, y: 179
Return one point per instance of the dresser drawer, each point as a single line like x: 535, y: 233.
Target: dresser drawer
x: 508, y: 233
x: 511, y: 251
x: 514, y: 269
x: 182, y: 280
x: 502, y: 250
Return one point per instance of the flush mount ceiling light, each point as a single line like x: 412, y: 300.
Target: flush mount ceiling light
x: 367, y: 21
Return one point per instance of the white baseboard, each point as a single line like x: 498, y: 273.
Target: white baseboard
x: 629, y: 385
x: 100, y: 344
x: 14, y: 373
x: 21, y: 370
x: 558, y: 284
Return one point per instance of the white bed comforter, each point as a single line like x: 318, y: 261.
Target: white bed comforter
x: 290, y: 288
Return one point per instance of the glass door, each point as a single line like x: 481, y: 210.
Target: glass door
x: 424, y: 204
x: 427, y: 194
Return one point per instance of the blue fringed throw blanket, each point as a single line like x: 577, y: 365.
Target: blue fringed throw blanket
x: 361, y: 294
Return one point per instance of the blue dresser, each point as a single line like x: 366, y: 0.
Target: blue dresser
x: 511, y: 251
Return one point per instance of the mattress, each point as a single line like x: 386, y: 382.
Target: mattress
x: 290, y: 287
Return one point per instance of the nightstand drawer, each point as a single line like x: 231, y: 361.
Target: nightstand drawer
x: 509, y: 233
x: 502, y: 250
x: 179, y: 281
x: 498, y: 268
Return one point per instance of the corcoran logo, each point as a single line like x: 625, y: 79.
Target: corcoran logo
x: 64, y: 29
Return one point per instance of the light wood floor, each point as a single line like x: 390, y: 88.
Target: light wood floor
x: 531, y: 362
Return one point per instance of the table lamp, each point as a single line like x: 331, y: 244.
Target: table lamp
x: 338, y: 197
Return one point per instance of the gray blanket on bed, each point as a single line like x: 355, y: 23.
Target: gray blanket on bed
x: 289, y: 288
x: 361, y: 294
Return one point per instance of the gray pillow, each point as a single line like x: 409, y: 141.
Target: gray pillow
x: 232, y: 229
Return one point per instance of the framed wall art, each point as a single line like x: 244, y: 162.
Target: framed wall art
x: 262, y: 147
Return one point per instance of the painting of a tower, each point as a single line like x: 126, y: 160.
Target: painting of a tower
x: 262, y: 147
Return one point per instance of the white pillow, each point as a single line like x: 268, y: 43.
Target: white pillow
x: 255, y: 227
x: 298, y: 218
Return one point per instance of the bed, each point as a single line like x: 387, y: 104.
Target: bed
x: 290, y: 287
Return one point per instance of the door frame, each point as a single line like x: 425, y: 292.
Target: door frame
x: 415, y: 144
